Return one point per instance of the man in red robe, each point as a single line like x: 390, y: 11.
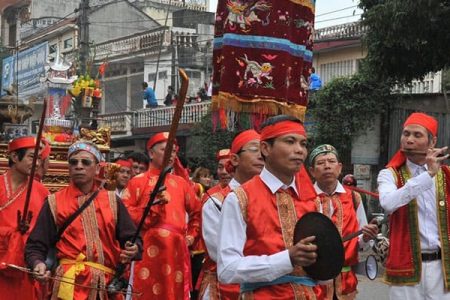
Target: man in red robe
x: 123, y: 176
x: 246, y: 162
x: 164, y: 272
x: 345, y: 209
x: 93, y: 244
x: 258, y: 218
x: 414, y: 191
x: 223, y: 156
x: 13, y: 190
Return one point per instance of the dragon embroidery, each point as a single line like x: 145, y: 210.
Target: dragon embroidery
x: 257, y: 70
x: 244, y: 14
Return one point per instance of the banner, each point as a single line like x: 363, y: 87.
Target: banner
x: 25, y: 68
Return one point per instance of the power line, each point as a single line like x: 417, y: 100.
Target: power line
x: 338, y: 18
x: 338, y: 10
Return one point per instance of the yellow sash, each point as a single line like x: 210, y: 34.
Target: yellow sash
x: 67, y: 287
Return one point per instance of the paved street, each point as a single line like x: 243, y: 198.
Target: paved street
x: 371, y: 289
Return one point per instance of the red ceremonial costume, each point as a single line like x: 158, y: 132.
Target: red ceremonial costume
x: 344, y: 217
x: 164, y: 272
x: 15, y: 284
x: 270, y: 229
x: 404, y: 262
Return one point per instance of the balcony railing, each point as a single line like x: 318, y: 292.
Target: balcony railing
x: 192, y: 113
x: 348, y: 30
x: 122, y: 123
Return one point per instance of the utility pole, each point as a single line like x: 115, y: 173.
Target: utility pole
x: 83, y: 25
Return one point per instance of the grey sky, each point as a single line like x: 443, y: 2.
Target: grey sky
x: 327, y: 7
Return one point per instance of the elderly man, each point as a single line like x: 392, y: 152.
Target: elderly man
x: 13, y: 190
x: 345, y: 209
x: 414, y: 192
x: 93, y: 243
x: 258, y: 218
x: 245, y: 161
x: 164, y: 272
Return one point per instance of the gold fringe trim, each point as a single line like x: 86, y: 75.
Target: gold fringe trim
x: 258, y: 105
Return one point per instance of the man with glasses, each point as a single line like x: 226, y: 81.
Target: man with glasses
x: 93, y: 243
x: 345, y: 209
x: 258, y: 218
x: 245, y: 162
x: 13, y: 189
x: 164, y: 272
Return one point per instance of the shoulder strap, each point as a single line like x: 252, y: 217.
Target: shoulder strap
x: 356, y: 198
x: 72, y: 217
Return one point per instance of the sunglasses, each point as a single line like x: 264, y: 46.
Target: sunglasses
x: 84, y: 161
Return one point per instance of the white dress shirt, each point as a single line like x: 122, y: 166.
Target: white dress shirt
x: 233, y: 266
x: 211, y: 212
x: 360, y: 213
x: 421, y: 186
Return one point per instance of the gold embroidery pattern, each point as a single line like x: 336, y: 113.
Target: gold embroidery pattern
x: 92, y: 236
x: 113, y: 204
x: 58, y: 274
x: 243, y: 201
x: 9, y: 195
x: 52, y: 204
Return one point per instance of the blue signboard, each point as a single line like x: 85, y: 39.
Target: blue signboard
x: 28, y: 66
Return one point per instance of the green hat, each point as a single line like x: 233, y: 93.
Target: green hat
x: 322, y: 149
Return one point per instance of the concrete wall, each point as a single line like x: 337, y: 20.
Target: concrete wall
x: 117, y: 19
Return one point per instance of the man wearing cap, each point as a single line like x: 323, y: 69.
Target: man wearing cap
x: 164, y: 272
x: 13, y: 190
x: 245, y: 162
x: 223, y: 156
x: 123, y: 176
x: 258, y: 218
x: 414, y: 192
x: 93, y: 243
x: 345, y: 209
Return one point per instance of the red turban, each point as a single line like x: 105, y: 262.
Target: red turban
x: 424, y: 120
x: 22, y: 142
x: 124, y: 163
x: 243, y: 138
x: 157, y: 138
x: 282, y: 128
x: 223, y: 154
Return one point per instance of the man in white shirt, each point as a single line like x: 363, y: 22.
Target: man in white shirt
x: 258, y: 218
x: 414, y: 192
x: 345, y: 209
x: 245, y: 162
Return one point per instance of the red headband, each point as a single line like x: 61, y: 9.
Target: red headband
x: 157, y: 138
x: 22, y: 142
x: 223, y: 154
x: 423, y: 120
x: 282, y: 128
x: 124, y: 163
x: 243, y: 138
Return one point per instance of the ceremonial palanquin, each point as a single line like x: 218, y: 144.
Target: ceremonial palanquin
x: 262, y: 59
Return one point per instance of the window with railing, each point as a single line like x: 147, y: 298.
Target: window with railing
x: 332, y: 70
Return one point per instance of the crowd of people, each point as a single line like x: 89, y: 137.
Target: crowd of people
x: 232, y: 240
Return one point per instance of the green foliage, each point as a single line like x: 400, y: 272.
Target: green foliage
x: 406, y: 39
x: 345, y: 108
x: 209, y: 142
